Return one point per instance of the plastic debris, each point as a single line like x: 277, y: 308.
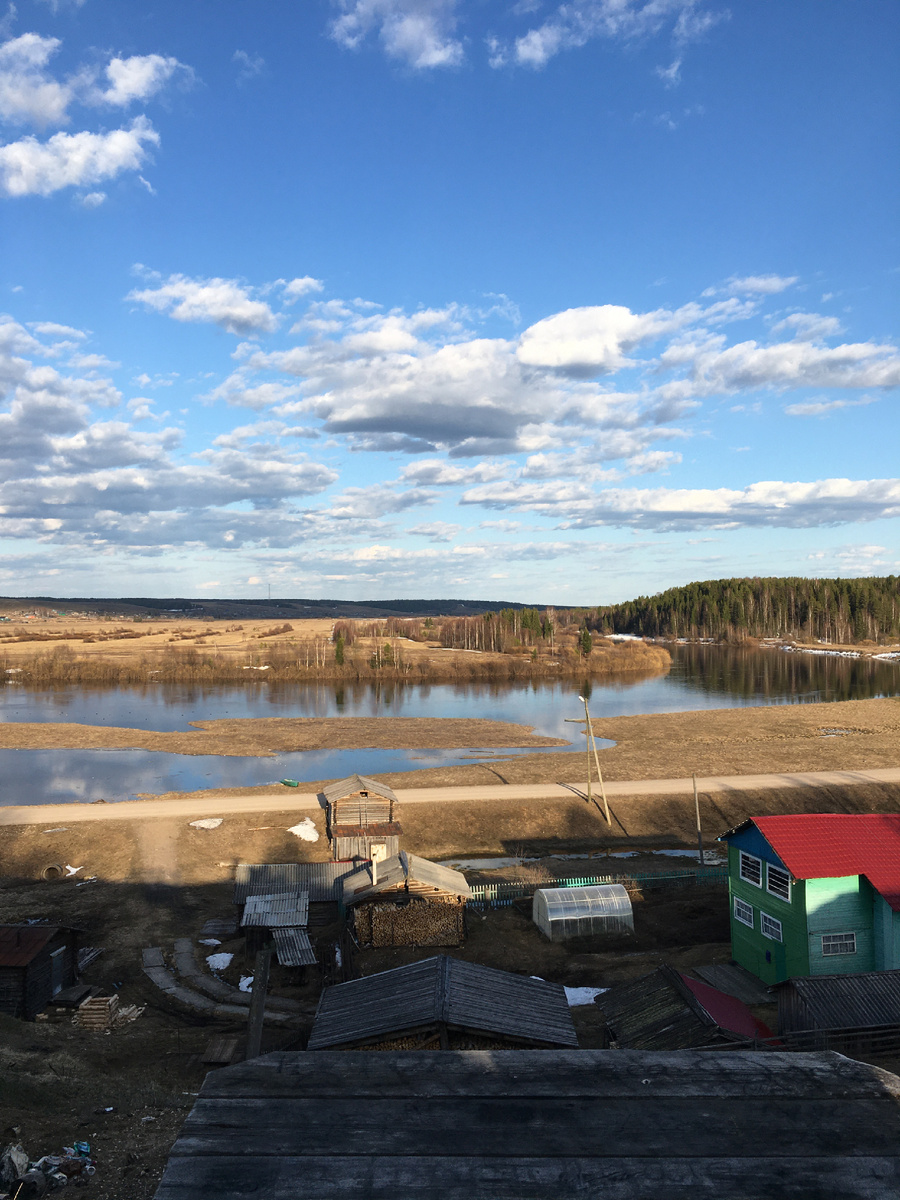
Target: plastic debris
x: 306, y: 830
x: 291, y: 782
x: 207, y: 823
x: 13, y: 1162
x: 73, y: 870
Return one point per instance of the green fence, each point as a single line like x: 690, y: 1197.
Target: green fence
x: 498, y: 895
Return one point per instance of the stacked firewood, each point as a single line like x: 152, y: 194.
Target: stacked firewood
x: 414, y: 924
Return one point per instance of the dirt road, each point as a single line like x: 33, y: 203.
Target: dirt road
x: 287, y: 800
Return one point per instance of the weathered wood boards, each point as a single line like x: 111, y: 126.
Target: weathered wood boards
x: 541, y: 1125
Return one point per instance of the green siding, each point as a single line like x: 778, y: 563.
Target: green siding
x: 886, y: 936
x: 749, y: 947
x: 842, y: 905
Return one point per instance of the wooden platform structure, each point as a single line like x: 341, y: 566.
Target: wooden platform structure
x: 541, y: 1125
x: 443, y: 1003
x: 362, y: 819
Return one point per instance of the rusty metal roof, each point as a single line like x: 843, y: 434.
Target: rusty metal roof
x: 19, y: 944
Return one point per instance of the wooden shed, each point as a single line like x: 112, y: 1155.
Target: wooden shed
x: 443, y: 1003
x: 855, y: 1014
x: 407, y: 901
x: 666, y: 1010
x: 36, y: 963
x: 362, y: 819
x: 322, y: 881
x: 540, y: 1125
x: 282, y: 917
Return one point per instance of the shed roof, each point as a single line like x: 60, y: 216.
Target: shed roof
x: 404, y: 870
x: 322, y: 880
x: 342, y: 788
x: 833, y: 845
x: 549, y: 1123
x: 280, y: 910
x: 443, y: 989
x: 864, y: 1001
x: 20, y: 944
x: 294, y: 948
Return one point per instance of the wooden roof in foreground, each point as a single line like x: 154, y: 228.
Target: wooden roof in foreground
x: 541, y: 1125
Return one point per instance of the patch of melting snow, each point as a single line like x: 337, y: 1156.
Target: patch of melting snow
x: 62, y: 829
x: 207, y: 823
x: 246, y: 983
x: 210, y: 942
x: 710, y: 857
x: 580, y: 996
x: 218, y: 962
x: 306, y: 830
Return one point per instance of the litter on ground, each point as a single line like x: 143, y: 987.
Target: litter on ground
x: 207, y: 823
x: 306, y: 830
x: 73, y: 870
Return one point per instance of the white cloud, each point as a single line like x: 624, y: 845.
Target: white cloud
x: 436, y: 531
x: 223, y: 302
x: 809, y: 326
x: 434, y: 472
x: 28, y: 95
x: 755, y: 285
x: 670, y: 75
x: 293, y: 289
x: 418, y: 33
x: 250, y: 65
x: 588, y: 341
x: 30, y: 167
x: 92, y: 199
x: 138, y: 78
x: 51, y: 329
x: 821, y: 408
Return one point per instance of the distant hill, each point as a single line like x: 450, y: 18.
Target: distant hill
x: 833, y: 610
x: 296, y: 609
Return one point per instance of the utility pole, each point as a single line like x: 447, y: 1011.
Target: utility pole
x: 697, y: 811
x: 589, y: 742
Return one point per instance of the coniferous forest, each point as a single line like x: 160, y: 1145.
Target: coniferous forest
x: 827, y: 610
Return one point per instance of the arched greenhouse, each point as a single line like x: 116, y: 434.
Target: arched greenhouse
x: 562, y: 913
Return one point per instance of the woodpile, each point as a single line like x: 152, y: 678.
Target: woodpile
x: 418, y: 923
x: 97, y: 1014
x: 412, y: 1042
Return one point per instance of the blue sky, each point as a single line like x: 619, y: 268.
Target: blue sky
x: 432, y: 298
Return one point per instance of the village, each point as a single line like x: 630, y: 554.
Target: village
x: 782, y: 937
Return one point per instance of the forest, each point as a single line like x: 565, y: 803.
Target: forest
x: 824, y: 610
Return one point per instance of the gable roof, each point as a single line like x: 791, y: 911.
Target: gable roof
x: 20, y: 944
x: 342, y: 788
x: 404, y: 870
x: 833, y: 845
x: 442, y: 989
x: 322, y: 880
x: 862, y: 1001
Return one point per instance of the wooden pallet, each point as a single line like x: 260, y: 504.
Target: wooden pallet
x: 98, y: 1013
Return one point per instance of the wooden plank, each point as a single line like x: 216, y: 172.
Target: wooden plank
x: 665, y: 1126
x: 567, y: 1073
x: 258, y: 1001
x: 452, y: 1178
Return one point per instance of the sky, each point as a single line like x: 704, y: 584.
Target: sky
x: 446, y: 298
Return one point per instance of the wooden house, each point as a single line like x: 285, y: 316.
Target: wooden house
x: 815, y: 894
x: 407, y: 901
x: 36, y: 963
x: 548, y: 1124
x: 857, y: 1015
x: 666, y: 1010
x: 362, y: 819
x: 443, y: 1004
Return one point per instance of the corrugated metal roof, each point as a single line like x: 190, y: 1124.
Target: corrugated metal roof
x: 443, y: 989
x: 19, y: 944
x: 401, y: 871
x: 864, y: 1001
x: 834, y: 845
x: 321, y: 880
x: 282, y: 909
x: 294, y: 948
x: 342, y: 788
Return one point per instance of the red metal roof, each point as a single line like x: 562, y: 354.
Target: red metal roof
x: 727, y: 1011
x: 831, y: 845
x: 19, y: 944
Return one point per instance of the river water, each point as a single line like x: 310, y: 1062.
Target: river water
x: 701, y: 677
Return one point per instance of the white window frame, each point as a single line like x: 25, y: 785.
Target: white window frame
x: 772, y: 936
x: 838, y: 937
x: 752, y: 857
x: 770, y: 890
x: 736, y: 908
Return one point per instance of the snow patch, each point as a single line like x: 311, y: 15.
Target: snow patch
x: 578, y: 997
x: 210, y: 942
x: 246, y: 983
x: 218, y: 962
x: 207, y: 823
x: 306, y: 830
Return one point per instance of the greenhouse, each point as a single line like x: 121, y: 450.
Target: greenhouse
x: 562, y: 913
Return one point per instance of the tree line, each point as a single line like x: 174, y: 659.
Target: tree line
x: 827, y: 610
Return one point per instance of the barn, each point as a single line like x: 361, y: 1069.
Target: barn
x: 443, y: 1003
x: 407, y: 901
x: 36, y: 963
x: 362, y: 819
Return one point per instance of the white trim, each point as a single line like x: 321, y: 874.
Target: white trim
x: 742, y: 854
x: 769, y: 869
x: 738, y: 903
x: 838, y: 937
x: 772, y: 936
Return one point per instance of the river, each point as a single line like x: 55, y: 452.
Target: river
x: 701, y: 677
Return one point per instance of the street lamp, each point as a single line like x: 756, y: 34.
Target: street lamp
x: 589, y: 742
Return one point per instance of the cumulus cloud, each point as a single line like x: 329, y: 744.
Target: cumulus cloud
x: 436, y: 531
x: 223, y: 302
x: 138, y: 78
x: 293, y: 289
x: 809, y: 326
x: 418, y: 33
x: 28, y: 94
x: 30, y: 167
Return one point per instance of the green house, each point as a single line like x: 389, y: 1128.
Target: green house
x: 815, y: 894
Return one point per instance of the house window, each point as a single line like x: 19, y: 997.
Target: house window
x: 778, y: 883
x: 751, y: 869
x: 769, y: 927
x: 743, y: 912
x: 838, y: 943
